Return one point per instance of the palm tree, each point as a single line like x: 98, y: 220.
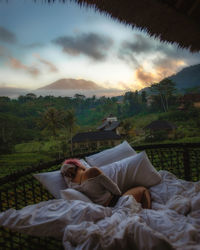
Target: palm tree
x: 52, y: 119
x: 70, y: 122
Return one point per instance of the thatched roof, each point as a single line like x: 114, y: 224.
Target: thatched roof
x: 109, y: 126
x: 160, y: 125
x: 170, y: 20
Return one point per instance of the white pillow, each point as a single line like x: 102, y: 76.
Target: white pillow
x: 52, y: 181
x: 85, y: 163
x: 133, y: 171
x: 72, y: 194
x: 108, y: 156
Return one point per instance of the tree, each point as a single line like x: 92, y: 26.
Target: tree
x: 165, y: 90
x: 70, y: 121
x: 52, y: 120
x: 144, y: 96
x: 126, y: 126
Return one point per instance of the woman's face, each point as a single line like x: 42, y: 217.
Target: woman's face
x: 70, y: 171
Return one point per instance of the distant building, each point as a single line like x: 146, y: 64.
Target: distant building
x: 95, y: 140
x: 110, y: 123
x: 190, y: 99
x: 160, y: 126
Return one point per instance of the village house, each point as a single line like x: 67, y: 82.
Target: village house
x: 95, y: 140
x: 190, y: 99
x: 107, y: 135
x: 110, y: 123
x: 160, y: 128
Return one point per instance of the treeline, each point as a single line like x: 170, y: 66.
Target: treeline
x: 26, y: 118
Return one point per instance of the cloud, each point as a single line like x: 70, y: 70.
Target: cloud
x: 167, y: 66
x: 144, y: 77
x: 33, y: 45
x: 3, y: 52
x: 129, y: 50
x: 92, y: 45
x: 154, y: 60
x: 7, y: 36
x: 140, y: 44
x: 51, y: 67
x: 16, y: 64
x: 163, y: 67
x: 11, y: 91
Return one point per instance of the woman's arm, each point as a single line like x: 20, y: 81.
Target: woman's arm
x: 105, y: 181
x: 91, y: 173
x: 110, y: 185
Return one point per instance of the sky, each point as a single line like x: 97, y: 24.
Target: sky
x: 41, y: 43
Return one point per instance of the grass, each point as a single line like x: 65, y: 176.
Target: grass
x: 34, y: 152
x: 37, y: 146
x: 18, y: 161
x: 29, y: 154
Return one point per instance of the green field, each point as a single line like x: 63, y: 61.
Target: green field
x: 29, y: 154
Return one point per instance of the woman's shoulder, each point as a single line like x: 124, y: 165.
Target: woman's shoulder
x: 92, y: 172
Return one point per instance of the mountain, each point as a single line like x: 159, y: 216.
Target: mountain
x: 70, y: 87
x: 186, y: 80
x: 71, y: 84
x: 188, y: 77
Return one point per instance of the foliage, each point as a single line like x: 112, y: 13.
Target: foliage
x: 164, y: 89
x: 52, y: 120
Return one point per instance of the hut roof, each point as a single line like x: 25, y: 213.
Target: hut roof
x: 111, y: 126
x: 193, y: 97
x: 169, y: 20
x: 160, y: 125
x: 95, y: 136
x: 108, y: 126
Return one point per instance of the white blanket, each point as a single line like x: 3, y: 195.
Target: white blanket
x: 174, y: 220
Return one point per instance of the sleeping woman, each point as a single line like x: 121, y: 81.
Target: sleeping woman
x: 97, y: 186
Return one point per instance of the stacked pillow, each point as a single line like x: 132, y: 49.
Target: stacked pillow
x: 111, y: 155
x: 121, y: 163
x: 133, y: 171
x: 52, y: 181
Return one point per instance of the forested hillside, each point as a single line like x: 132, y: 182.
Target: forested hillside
x: 36, y: 128
x: 187, y: 78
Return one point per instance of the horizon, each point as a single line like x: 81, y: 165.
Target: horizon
x: 88, y: 45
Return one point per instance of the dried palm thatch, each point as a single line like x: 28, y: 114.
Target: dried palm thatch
x: 169, y: 20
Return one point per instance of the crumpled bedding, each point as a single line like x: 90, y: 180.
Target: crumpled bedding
x: 172, y: 223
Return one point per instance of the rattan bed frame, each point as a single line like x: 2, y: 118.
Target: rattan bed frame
x: 21, y: 189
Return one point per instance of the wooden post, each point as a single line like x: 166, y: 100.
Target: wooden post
x: 186, y: 163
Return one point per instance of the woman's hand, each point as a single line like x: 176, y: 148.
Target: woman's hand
x: 82, y: 167
x: 91, y: 173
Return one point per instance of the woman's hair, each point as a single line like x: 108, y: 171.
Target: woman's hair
x: 69, y: 168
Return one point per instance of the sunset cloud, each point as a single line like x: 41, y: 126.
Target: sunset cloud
x: 18, y: 65
x: 145, y: 78
x: 167, y: 66
x: 92, y: 45
x: 162, y: 68
x: 7, y: 36
x: 51, y: 67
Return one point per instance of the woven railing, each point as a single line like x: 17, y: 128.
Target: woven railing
x: 21, y: 189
